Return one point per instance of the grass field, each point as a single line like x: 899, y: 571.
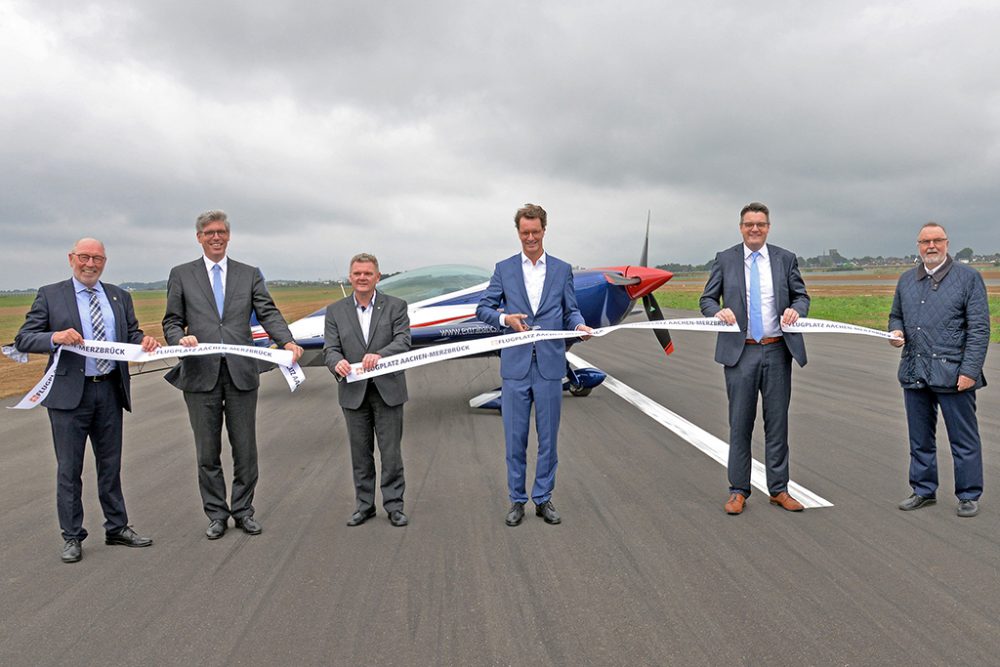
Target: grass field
x: 16, y: 379
x: 862, y: 303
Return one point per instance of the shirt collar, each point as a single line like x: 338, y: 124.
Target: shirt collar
x: 526, y: 260
x: 747, y: 251
x: 370, y: 304
x: 224, y: 263
x: 939, y: 273
x: 80, y: 287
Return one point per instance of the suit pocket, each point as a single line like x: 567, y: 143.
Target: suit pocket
x: 943, y: 371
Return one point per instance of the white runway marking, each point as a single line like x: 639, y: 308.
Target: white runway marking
x: 700, y: 438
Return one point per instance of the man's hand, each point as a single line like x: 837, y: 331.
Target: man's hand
x: 369, y: 360
x: 584, y: 327
x: 67, y: 337
x: 897, y: 339
x: 790, y: 316
x: 295, y: 349
x: 343, y: 368
x: 965, y: 382
x: 726, y: 315
x: 188, y: 341
x: 149, y: 344
x: 516, y: 321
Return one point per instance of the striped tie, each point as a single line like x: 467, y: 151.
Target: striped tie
x: 104, y: 366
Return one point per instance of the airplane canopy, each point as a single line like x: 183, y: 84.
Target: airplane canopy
x: 431, y: 281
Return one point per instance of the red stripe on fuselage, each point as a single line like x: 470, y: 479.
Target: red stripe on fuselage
x: 447, y: 319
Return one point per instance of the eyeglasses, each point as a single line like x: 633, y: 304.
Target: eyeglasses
x: 758, y: 225
x: 931, y: 241
x: 84, y: 258
x: 214, y: 232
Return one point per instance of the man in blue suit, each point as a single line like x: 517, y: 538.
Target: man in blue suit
x: 88, y: 395
x: 532, y: 290
x: 760, y: 289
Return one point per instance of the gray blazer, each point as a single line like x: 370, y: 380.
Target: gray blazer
x: 191, y: 310
x: 389, y: 334
x: 728, y: 282
x: 55, y: 309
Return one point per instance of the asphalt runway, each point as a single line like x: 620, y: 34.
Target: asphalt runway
x: 646, y: 568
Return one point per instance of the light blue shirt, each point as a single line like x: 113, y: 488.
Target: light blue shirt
x: 87, y: 330
x: 768, y: 306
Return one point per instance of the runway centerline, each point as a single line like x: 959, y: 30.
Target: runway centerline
x: 698, y: 437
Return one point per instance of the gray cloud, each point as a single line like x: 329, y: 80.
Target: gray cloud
x: 413, y: 130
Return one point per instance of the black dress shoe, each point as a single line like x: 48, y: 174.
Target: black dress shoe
x: 72, y: 551
x: 216, y: 529
x: 515, y: 515
x: 249, y: 525
x: 397, y: 518
x: 360, y: 517
x: 915, y: 502
x: 548, y: 512
x: 127, y: 537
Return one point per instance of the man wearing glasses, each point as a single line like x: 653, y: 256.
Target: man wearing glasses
x: 210, y: 300
x: 757, y: 286
x: 88, y: 395
x: 941, y: 318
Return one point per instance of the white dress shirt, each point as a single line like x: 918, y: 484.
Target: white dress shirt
x: 365, y: 315
x: 534, y: 282
x: 768, y: 310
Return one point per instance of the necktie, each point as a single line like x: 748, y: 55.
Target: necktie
x: 217, y: 287
x: 104, y: 366
x: 756, y: 319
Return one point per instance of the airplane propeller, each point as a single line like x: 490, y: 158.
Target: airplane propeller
x: 653, y: 312
x: 640, y: 282
x: 649, y: 303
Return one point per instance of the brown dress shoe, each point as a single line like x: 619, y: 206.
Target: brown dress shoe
x: 787, y: 502
x: 735, y: 503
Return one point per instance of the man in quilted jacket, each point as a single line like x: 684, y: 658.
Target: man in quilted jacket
x: 941, y: 318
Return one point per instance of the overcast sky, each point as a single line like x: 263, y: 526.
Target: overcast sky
x: 414, y: 130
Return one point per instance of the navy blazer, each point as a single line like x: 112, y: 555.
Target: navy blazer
x: 557, y: 310
x: 727, y: 281
x: 54, y: 310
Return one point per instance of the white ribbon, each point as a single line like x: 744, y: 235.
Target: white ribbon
x: 413, y: 358
x: 99, y: 349
x: 14, y: 354
x: 809, y: 325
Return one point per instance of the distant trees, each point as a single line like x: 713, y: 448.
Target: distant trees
x: 964, y: 253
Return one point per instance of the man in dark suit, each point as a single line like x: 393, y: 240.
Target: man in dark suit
x: 211, y: 300
x: 87, y: 396
x: 758, y: 286
x: 531, y: 290
x: 365, y: 327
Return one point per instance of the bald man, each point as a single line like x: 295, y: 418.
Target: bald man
x: 88, y: 395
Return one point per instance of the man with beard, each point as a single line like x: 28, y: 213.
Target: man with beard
x: 941, y: 318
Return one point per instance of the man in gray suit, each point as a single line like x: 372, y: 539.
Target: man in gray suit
x: 364, y: 328
x: 211, y: 300
x: 758, y: 286
x: 88, y: 395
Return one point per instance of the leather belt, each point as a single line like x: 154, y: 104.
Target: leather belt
x: 764, y: 341
x: 101, y: 378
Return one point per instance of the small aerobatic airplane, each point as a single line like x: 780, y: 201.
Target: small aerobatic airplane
x: 442, y: 309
